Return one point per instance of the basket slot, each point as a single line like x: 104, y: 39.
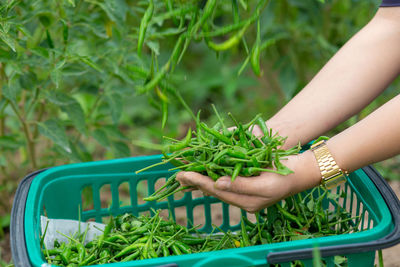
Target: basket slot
x: 142, y: 190
x: 351, y: 204
x: 87, y: 198
x: 364, y: 220
x: 199, y: 217
x: 361, y: 214
x: 234, y: 216
x: 217, y: 216
x: 96, y: 202
x: 105, y: 196
x: 181, y: 215
x: 124, y: 199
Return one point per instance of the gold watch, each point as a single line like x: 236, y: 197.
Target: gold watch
x: 332, y: 174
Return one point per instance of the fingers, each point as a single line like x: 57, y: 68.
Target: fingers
x: 191, y: 189
x: 256, y: 186
x: 206, y: 184
x: 192, y: 179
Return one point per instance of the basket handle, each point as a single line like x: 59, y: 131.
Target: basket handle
x: 389, y: 240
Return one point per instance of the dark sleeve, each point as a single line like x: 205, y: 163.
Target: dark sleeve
x: 387, y: 3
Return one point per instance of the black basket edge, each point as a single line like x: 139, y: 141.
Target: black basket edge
x: 389, y: 240
x: 19, y: 251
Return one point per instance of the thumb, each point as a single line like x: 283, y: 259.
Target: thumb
x: 223, y: 183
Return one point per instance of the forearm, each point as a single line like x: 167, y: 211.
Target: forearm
x: 360, y: 70
x: 375, y: 138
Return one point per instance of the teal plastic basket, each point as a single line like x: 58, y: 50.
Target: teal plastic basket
x: 57, y: 193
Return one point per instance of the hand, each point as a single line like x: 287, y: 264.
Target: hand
x: 255, y: 193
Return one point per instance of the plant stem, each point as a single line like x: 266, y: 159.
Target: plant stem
x: 39, y: 118
x: 28, y: 137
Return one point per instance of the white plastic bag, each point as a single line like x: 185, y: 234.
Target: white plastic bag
x: 68, y: 228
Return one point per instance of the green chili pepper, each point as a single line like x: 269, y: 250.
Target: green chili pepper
x: 143, y: 26
x: 131, y: 257
x: 207, y: 12
x: 181, y: 145
x: 164, y: 114
x: 175, y: 249
x: 164, y: 194
x: 255, y: 53
x: 104, y: 256
x: 236, y: 171
x: 234, y: 40
x: 106, y: 232
x: 65, y: 255
x: 245, y: 236
x: 156, y: 80
x: 216, y: 134
x: 81, y: 252
x: 288, y: 215
x: 128, y: 249
x: 212, y: 175
x: 263, y: 127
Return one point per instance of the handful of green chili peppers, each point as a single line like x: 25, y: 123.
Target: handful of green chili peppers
x: 127, y: 237
x: 217, y: 151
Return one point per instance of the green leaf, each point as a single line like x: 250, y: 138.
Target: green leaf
x: 76, y: 115
x: 154, y: 46
x: 59, y: 98
x: 70, y: 106
x: 113, y: 131
x: 7, y: 39
x: 121, y: 150
x: 339, y: 260
x: 73, y: 155
x: 55, y: 132
x: 90, y: 63
x: 55, y: 76
x: 101, y: 137
x: 46, y: 19
x: 10, y: 93
x: 41, y: 52
x: 115, y: 10
x: 115, y: 102
x: 10, y: 142
x: 71, y: 2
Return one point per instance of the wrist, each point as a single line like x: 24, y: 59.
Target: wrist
x: 284, y: 129
x: 306, y: 172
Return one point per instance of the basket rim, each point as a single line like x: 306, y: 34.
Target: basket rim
x: 35, y: 256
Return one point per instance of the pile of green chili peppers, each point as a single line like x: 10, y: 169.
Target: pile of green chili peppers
x: 218, y: 151
x: 127, y: 237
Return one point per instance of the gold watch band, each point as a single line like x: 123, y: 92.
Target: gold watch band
x: 332, y: 174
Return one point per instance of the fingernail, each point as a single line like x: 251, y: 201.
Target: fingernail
x: 222, y: 185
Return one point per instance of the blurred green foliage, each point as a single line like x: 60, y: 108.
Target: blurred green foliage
x: 73, y: 86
